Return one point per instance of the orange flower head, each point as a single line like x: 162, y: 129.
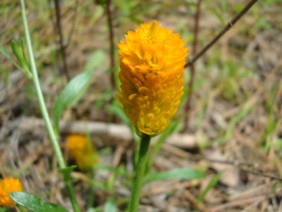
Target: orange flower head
x: 82, y: 151
x: 8, y: 185
x: 152, y: 60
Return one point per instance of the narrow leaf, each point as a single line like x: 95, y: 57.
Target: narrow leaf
x: 4, y: 52
x: 117, y: 110
x: 95, y: 60
x: 180, y: 174
x: 73, y: 91
x: 18, y: 50
x: 34, y: 203
x: 211, y: 184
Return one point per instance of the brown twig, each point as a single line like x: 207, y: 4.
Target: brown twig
x: 221, y: 33
x: 261, y: 174
x: 111, y: 39
x: 240, y: 166
x: 193, y: 68
x: 73, y: 23
x: 236, y: 203
x: 61, y: 38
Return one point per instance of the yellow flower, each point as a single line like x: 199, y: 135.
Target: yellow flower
x: 8, y: 185
x: 152, y: 60
x: 82, y: 151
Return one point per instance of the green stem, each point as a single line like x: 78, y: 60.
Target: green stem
x: 139, y: 172
x: 43, y: 108
x: 39, y: 92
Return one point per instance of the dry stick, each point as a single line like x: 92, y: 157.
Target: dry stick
x: 61, y: 38
x: 221, y: 33
x: 203, y: 51
x: 27, y: 124
x: 112, y: 50
x: 193, y: 68
x: 111, y: 39
x: 261, y: 174
x: 237, y: 203
x: 249, y: 171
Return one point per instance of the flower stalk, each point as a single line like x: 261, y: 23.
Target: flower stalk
x: 139, y: 172
x: 152, y: 60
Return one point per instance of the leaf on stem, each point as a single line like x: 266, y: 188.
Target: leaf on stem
x: 70, y: 95
x: 75, y: 89
x: 19, y: 66
x: 18, y: 50
x: 175, y: 174
x: 34, y: 203
x: 67, y: 171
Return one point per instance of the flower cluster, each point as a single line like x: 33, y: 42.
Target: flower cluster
x: 8, y: 185
x: 82, y: 151
x: 152, y: 60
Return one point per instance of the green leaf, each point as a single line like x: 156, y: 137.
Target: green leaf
x: 34, y: 203
x: 75, y: 89
x: 211, y: 184
x: 179, y: 174
x: 4, y: 52
x: 2, y: 209
x: 67, y: 171
x: 95, y: 60
x: 110, y: 205
x: 18, y: 50
x: 101, y: 2
x: 117, y: 109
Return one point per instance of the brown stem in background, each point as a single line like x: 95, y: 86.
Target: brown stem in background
x: 193, y: 68
x: 221, y: 33
x: 61, y: 38
x: 73, y: 23
x: 203, y: 51
x: 111, y: 39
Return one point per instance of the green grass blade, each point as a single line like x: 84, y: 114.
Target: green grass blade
x: 175, y: 174
x: 211, y: 184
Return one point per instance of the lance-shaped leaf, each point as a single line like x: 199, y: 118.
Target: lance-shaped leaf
x: 34, y: 203
x: 175, y: 174
x: 75, y: 89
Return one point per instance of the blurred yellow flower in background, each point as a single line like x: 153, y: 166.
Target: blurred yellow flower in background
x: 152, y: 60
x: 82, y: 151
x: 8, y: 185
